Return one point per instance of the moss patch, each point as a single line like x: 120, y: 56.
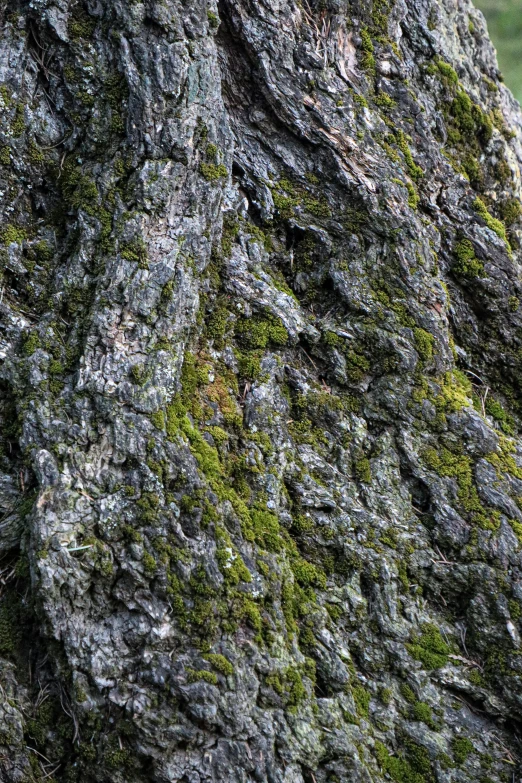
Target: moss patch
x: 429, y: 647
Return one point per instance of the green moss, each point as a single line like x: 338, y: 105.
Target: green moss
x: 414, y: 170
x: 380, y: 14
x: 148, y: 505
x: 510, y: 211
x: 31, y: 343
x: 289, y: 685
x: 462, y: 747
x: 367, y: 57
x: 5, y: 156
x: 317, y: 207
x: 217, y: 323
x: 402, y: 573
x: 408, y: 693
x: 249, y: 364
x: 424, y: 342
x: 213, y: 172
x: 78, y: 190
x: 12, y: 234
x: 158, y: 419
x: 220, y: 663
x: 252, y: 615
x: 166, y: 296
x: 131, y: 534
x: 43, y: 253
x: 469, y: 119
x: 9, y: 633
x: 362, y: 469
x: 455, y: 392
x: 473, y: 169
x: 212, y: 153
x: 136, y: 251
x: 259, y: 332
x: 116, y: 757
x: 515, y: 609
x: 140, y: 374
x: 459, y: 466
x: 385, y: 695
x: 229, y: 560
x: 5, y: 94
x: 297, y: 690
x: 362, y: 699
x: 412, y: 767
x: 116, y: 92
x: 149, y: 564
x: 41, y: 725
x: 503, y: 459
x: 422, y: 712
x: 307, y: 574
x: 360, y: 100
x: 357, y: 366
x: 55, y: 367
x: 495, y: 225
x: 429, y: 647
x: 213, y: 20
x: 447, y: 72
x: 265, y: 526
x: 196, y: 675
x: 384, y: 101
x: 80, y: 25
x: 495, y: 409
x: 18, y: 123
x: 206, y: 455
x: 35, y: 154
x: 467, y: 265
x: 413, y: 196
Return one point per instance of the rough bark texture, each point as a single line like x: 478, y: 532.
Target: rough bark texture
x: 260, y: 393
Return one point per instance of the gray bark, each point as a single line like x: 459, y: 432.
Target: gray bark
x: 260, y: 394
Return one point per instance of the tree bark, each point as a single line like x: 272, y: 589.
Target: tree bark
x: 260, y: 393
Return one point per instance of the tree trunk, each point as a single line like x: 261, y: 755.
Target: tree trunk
x: 260, y: 394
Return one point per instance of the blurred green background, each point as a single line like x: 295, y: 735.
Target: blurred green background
x: 505, y: 28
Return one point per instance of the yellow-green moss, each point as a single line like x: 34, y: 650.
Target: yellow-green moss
x: 362, y: 699
x: 149, y: 564
x: 467, y: 264
x: 213, y: 20
x: 196, y: 675
x: 412, y: 767
x: 158, y: 419
x: 414, y: 170
x: 31, y: 343
x: 497, y: 412
x: 220, y: 663
x: 259, y: 332
x: 213, y: 172
x: 423, y: 713
x: 462, y: 747
x: 362, y: 469
x: 136, y: 251
x: 413, y: 196
x: 493, y: 223
x: 5, y: 156
x: 460, y: 467
x: 367, y: 56
x: 11, y: 234
x: 429, y: 647
x: 424, y: 342
x: 447, y: 72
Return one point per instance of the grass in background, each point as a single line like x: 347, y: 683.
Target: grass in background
x: 504, y: 19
